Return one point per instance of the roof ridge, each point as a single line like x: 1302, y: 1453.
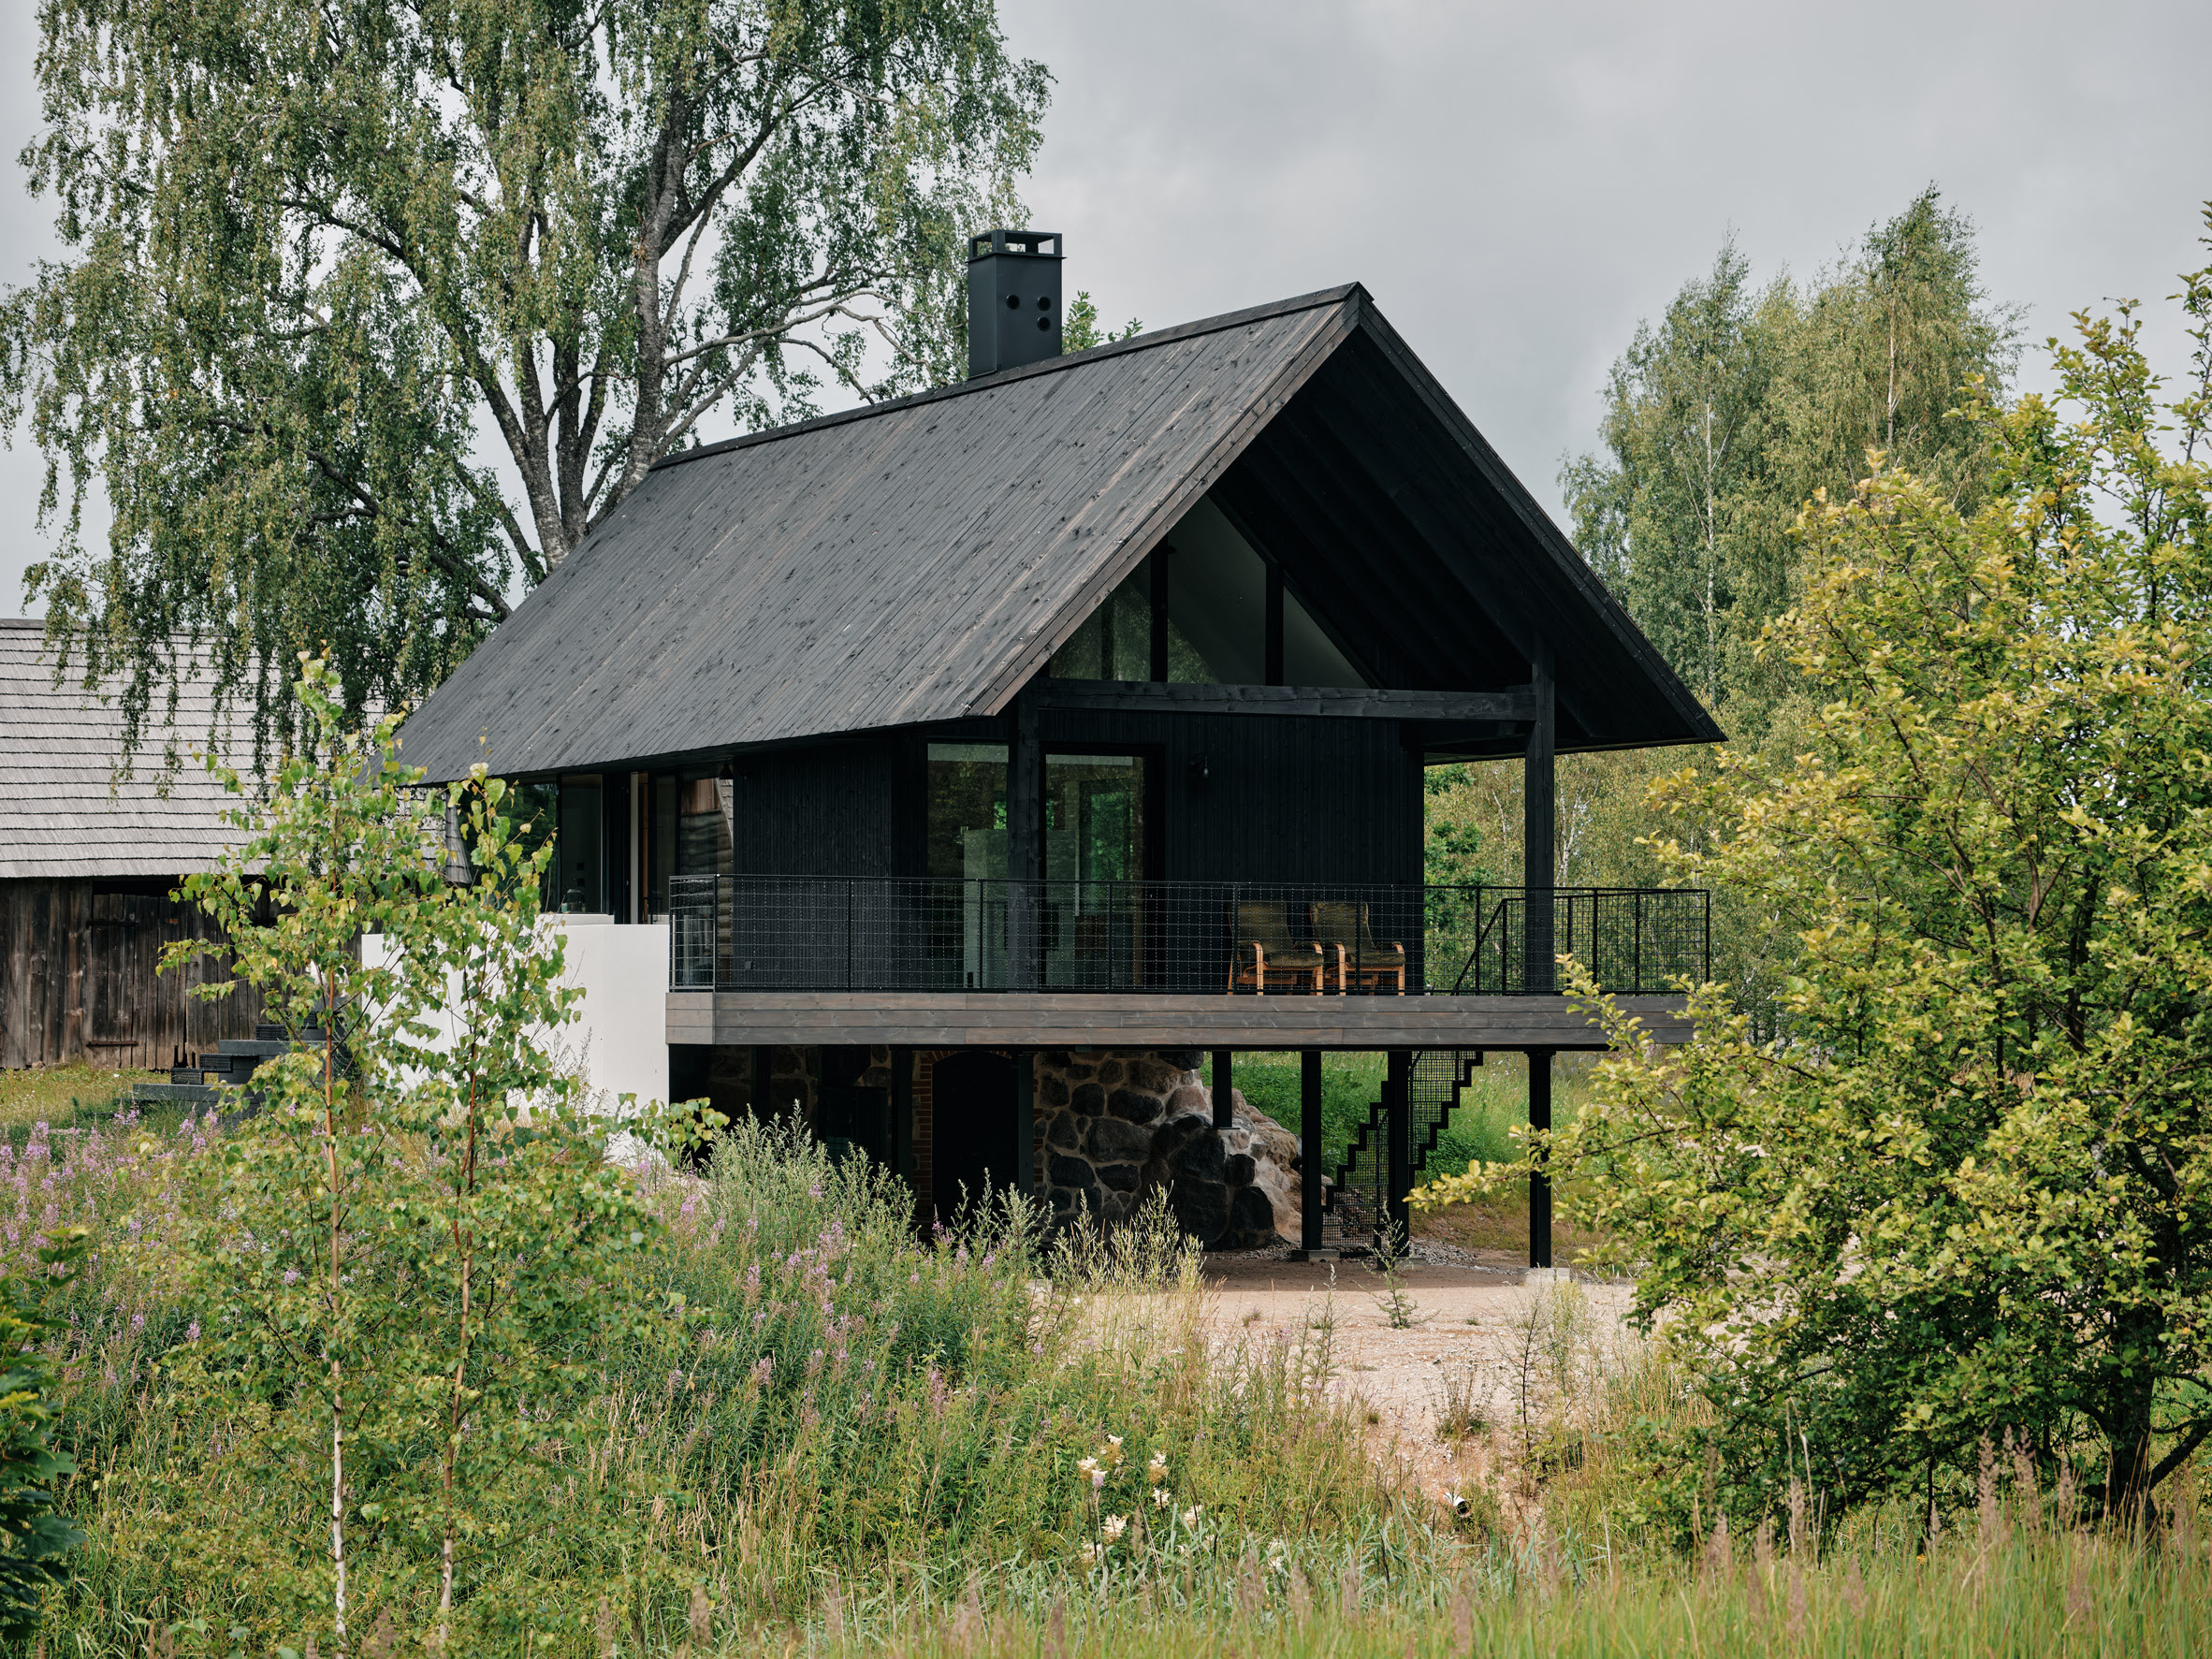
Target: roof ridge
x: 1168, y: 336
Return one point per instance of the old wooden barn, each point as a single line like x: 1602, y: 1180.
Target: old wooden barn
x: 88, y: 862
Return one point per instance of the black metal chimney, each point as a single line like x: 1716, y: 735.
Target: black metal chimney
x: 1013, y: 300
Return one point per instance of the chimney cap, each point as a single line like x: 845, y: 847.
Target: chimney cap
x: 986, y: 243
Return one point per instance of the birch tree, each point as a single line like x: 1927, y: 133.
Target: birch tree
x: 371, y: 312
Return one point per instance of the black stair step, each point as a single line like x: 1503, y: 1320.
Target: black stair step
x: 174, y: 1094
x: 265, y: 1032
x: 260, y: 1048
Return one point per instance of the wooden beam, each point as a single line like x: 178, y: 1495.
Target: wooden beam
x: 1147, y: 1020
x: 1520, y: 704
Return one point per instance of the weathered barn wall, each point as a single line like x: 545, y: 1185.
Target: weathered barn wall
x: 79, y: 977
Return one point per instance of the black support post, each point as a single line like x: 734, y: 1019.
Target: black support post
x: 1539, y: 1185
x: 1024, y: 846
x: 1224, y: 1101
x: 1025, y: 1120
x: 1397, y: 1073
x: 1539, y: 805
x: 1274, y: 666
x: 902, y: 1111
x: 1160, y: 612
x: 1309, y: 1151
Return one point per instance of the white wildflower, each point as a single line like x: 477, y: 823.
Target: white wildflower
x: 1190, y: 1516
x: 1115, y: 1526
x: 1161, y: 1497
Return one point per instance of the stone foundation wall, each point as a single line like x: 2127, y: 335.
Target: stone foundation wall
x: 1113, y: 1127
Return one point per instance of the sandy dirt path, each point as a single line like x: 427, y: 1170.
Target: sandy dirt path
x: 1472, y: 1338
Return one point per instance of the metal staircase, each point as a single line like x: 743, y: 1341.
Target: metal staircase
x: 201, y: 1079
x: 1359, y: 1200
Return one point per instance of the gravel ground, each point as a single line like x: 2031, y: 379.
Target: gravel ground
x: 1465, y: 1338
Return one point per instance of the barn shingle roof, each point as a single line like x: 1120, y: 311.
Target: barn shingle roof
x: 919, y: 561
x: 63, y: 812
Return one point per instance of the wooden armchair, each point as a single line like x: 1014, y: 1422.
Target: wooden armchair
x: 1350, y: 950
x: 1263, y: 953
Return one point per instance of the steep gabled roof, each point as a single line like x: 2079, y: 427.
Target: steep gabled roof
x: 920, y: 561
x: 59, y: 749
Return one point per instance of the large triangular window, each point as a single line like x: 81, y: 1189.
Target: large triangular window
x: 1198, y: 610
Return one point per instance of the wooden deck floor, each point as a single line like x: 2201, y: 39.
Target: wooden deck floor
x: 956, y: 1019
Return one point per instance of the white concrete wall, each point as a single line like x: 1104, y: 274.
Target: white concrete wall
x: 620, y: 1040
x: 620, y: 1037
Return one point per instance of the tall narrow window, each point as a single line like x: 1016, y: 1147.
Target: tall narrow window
x: 580, y: 871
x: 966, y: 833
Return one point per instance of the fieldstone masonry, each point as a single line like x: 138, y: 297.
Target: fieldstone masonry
x: 1113, y: 1125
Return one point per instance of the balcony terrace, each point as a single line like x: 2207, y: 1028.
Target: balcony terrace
x: 798, y: 959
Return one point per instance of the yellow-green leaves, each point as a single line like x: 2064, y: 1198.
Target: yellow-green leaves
x: 1970, y: 1188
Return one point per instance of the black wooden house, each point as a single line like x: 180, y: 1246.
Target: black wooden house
x: 1081, y: 709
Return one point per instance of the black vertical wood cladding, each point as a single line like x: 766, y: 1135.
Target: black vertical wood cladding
x: 826, y: 810
x: 1277, y: 799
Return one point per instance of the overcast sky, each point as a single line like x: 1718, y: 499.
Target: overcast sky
x: 1519, y: 184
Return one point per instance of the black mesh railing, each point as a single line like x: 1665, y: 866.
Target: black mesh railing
x: 834, y: 933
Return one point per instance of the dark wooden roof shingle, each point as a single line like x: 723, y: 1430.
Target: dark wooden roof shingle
x: 919, y: 561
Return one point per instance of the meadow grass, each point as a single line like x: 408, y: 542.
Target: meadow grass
x: 63, y: 1097
x: 839, y: 1409
x: 858, y: 1440
x: 2036, y: 1593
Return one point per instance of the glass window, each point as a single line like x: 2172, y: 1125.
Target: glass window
x: 1115, y: 640
x: 1093, y: 910
x: 661, y: 841
x: 1216, y: 617
x: 702, y: 830
x: 581, y: 875
x: 967, y: 828
x: 1310, y: 658
x: 1094, y: 818
x: 1216, y: 603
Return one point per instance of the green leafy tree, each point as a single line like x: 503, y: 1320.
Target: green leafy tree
x: 1079, y: 330
x: 1969, y: 1190
x: 372, y: 312
x: 1724, y: 419
x: 35, y: 1541
x: 415, y: 1235
x: 1686, y: 424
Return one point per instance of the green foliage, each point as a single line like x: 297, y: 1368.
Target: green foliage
x: 403, y: 1259
x: 318, y: 251
x: 35, y: 1541
x: 1724, y: 418
x: 1970, y: 1190
x: 1079, y: 330
x: 2028, y: 1591
x: 842, y: 1409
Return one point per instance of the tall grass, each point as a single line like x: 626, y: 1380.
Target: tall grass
x: 2043, y: 1593
x: 825, y: 1434
x: 813, y: 1406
